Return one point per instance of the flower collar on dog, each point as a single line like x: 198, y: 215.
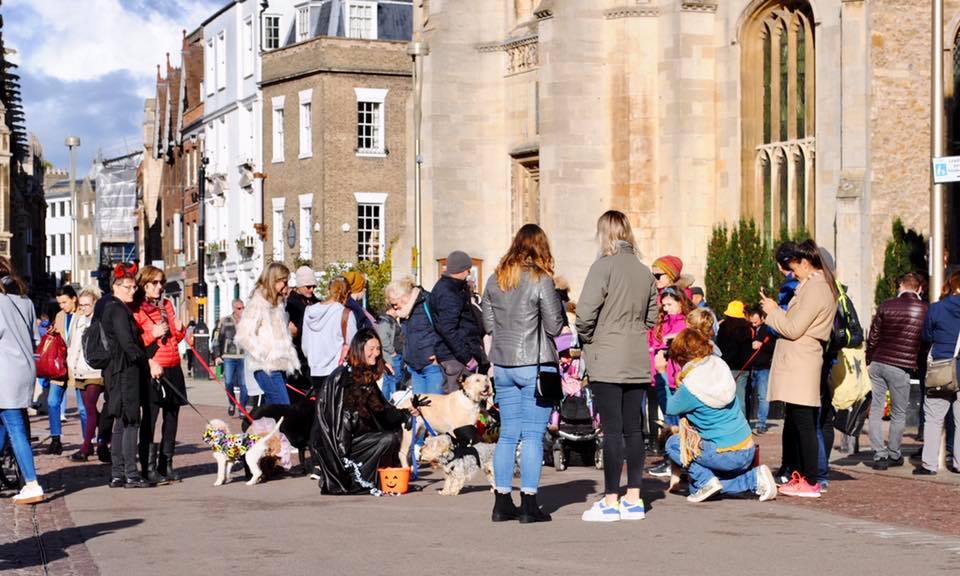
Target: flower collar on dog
x: 233, y: 445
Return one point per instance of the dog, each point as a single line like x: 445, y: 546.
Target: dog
x: 447, y: 412
x: 297, y: 421
x: 458, y: 464
x: 262, y: 453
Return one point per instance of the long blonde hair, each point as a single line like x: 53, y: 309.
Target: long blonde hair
x: 529, y: 251
x: 613, y: 226
x: 268, y: 279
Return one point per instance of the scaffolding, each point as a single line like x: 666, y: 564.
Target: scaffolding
x: 116, y: 204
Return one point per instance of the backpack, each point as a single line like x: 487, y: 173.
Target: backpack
x: 96, y: 351
x: 847, y: 331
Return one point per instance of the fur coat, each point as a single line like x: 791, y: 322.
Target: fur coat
x: 264, y: 335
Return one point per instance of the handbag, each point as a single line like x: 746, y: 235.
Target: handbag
x: 942, y: 374
x: 850, y: 420
x: 549, y: 384
x: 52, y: 357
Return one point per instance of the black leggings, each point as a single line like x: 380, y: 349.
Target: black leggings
x: 621, y: 419
x: 800, y: 447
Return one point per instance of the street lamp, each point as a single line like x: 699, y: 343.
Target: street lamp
x: 937, y: 151
x: 73, y: 142
x: 201, y: 334
x: 417, y: 50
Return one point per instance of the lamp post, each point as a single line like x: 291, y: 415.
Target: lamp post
x: 73, y: 142
x: 937, y: 151
x: 201, y: 334
x: 417, y: 50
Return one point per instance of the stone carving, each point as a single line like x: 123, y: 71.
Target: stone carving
x: 522, y: 55
x: 699, y: 5
x: 631, y: 12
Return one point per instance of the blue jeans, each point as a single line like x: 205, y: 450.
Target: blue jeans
x: 12, y: 422
x: 233, y: 379
x: 522, y: 418
x: 741, y: 382
x: 57, y: 405
x: 390, y: 381
x: 736, y: 472
x: 427, y: 381
x: 760, y: 379
x: 663, y: 392
x: 274, y: 386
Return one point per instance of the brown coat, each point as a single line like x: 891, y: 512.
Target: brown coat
x: 803, y: 328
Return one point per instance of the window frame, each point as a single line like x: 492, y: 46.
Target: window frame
x: 377, y: 97
x: 221, y: 62
x: 248, y: 54
x: 210, y: 59
x: 302, y: 25
x: 271, y: 31
x: 276, y: 128
x: 376, y: 200
x: 305, y: 119
x: 276, y: 221
x: 305, y: 216
x: 348, y: 7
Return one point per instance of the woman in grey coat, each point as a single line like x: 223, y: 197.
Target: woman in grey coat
x: 16, y: 387
x: 617, y: 307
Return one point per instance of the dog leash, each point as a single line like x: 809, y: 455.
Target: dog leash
x: 752, y: 357
x: 225, y: 387
x: 183, y: 397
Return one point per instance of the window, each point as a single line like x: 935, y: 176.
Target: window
x: 306, y: 124
x: 221, y: 60
x: 306, y: 226
x: 271, y: 32
x: 63, y: 244
x: 90, y: 246
x: 278, y: 128
x: 222, y: 150
x: 303, y: 23
x: 370, y: 121
x: 248, y: 47
x: 277, y: 226
x: 362, y: 19
x: 777, y: 110
x: 370, y: 226
x: 69, y: 204
x: 86, y: 210
x: 177, y: 232
x: 52, y: 245
x: 209, y: 57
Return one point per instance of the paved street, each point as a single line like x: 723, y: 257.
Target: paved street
x: 287, y: 526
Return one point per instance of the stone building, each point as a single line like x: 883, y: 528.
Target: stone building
x: 335, y: 134
x: 684, y: 114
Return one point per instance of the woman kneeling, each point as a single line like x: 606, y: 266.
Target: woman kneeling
x: 715, y: 444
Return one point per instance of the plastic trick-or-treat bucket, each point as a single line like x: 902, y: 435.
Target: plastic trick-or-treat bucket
x: 394, y: 480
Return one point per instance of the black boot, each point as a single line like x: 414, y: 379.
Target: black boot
x: 55, y: 446
x: 165, y: 468
x: 503, y: 508
x: 103, y: 453
x: 530, y: 511
x: 150, y: 475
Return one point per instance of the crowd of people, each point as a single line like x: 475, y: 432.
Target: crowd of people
x: 668, y: 376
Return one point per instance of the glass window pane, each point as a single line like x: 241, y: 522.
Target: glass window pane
x: 784, y: 82
x: 801, y: 81
x: 767, y: 88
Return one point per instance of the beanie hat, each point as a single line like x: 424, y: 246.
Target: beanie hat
x: 305, y: 277
x: 458, y: 261
x: 356, y: 280
x: 669, y: 265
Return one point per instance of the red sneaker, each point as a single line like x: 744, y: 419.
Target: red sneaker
x: 798, y: 486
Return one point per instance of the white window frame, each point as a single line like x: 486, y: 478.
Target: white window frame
x: 177, y: 232
x: 379, y: 200
x: 348, y: 20
x: 376, y: 96
x: 277, y: 127
x: 221, y: 60
x: 277, y: 224
x: 86, y: 210
x: 271, y: 41
x: 303, y: 23
x: 210, y: 58
x: 248, y: 47
x: 306, y: 226
x: 306, y: 123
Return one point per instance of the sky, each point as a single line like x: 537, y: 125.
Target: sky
x: 86, y: 67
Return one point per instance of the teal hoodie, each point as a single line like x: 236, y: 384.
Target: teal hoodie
x: 707, y: 396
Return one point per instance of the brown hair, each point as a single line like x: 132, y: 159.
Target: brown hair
x: 685, y: 307
x: 529, y: 251
x: 952, y: 285
x: 809, y: 251
x: 363, y: 374
x: 701, y: 320
x: 689, y: 345
x: 911, y: 281
x: 268, y: 278
x: 149, y: 274
x: 10, y: 282
x: 338, y: 290
x: 613, y: 227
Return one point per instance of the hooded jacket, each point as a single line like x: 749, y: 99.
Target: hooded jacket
x: 454, y: 321
x: 673, y: 325
x: 323, y: 335
x: 420, y: 339
x: 942, y: 327
x: 707, y: 396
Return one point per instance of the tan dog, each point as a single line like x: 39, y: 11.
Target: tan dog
x: 447, y: 412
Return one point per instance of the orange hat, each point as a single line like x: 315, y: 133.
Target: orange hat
x: 669, y: 265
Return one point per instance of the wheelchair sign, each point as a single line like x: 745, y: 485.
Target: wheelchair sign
x: 946, y: 169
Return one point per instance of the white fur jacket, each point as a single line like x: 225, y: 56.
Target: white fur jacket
x: 263, y: 333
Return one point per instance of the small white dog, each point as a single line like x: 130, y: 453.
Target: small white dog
x: 458, y: 465
x: 259, y: 451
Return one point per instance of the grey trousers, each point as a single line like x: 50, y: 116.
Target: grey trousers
x: 886, y: 378
x: 452, y: 370
x: 934, y: 415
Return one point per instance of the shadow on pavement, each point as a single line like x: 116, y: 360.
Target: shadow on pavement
x: 556, y: 496
x: 23, y: 553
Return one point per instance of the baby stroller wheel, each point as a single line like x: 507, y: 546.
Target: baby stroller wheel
x: 558, y: 461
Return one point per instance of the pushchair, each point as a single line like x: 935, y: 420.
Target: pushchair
x: 574, y: 425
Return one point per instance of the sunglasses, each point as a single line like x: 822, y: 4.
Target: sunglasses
x: 658, y: 275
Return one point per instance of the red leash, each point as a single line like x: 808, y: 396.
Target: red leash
x: 752, y: 357
x: 213, y: 375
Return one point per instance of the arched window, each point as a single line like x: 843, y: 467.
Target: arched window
x: 777, y: 116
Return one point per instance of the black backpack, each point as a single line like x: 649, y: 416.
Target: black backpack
x: 847, y: 331
x: 96, y: 351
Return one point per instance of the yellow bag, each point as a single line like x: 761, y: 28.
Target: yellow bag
x: 849, y: 380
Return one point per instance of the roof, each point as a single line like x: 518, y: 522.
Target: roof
x: 394, y: 20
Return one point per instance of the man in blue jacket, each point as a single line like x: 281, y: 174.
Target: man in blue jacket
x: 460, y: 346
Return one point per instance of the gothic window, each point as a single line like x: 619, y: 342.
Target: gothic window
x: 777, y: 116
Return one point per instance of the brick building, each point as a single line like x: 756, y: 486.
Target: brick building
x: 335, y: 134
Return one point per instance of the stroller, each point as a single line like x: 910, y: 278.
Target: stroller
x: 574, y: 425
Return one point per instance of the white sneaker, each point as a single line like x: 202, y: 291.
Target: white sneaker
x: 31, y: 493
x: 600, y: 512
x: 706, y: 491
x: 631, y: 511
x: 766, y: 485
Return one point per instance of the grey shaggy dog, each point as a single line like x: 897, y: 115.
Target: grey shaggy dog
x: 438, y: 451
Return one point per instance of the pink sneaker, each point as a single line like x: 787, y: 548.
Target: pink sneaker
x: 797, y: 486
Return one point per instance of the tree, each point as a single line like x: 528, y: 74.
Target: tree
x: 905, y: 252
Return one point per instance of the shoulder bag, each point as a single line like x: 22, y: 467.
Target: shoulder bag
x: 942, y: 374
x: 549, y: 384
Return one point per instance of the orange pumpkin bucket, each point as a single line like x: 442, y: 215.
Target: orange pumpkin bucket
x: 394, y: 480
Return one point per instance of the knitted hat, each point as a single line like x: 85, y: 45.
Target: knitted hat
x: 356, y: 280
x: 734, y: 309
x: 458, y: 261
x: 305, y: 277
x: 669, y: 265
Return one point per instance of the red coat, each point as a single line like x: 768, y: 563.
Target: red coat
x: 147, y: 315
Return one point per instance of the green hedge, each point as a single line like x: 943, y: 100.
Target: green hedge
x: 906, y: 252
x: 378, y: 276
